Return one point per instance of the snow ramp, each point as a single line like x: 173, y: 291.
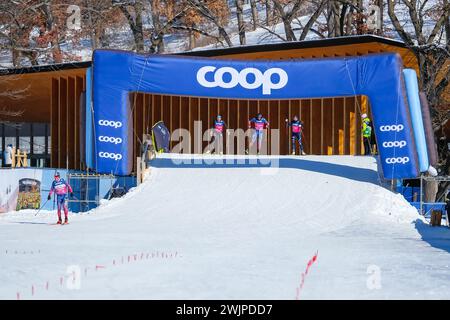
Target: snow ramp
x: 235, y: 228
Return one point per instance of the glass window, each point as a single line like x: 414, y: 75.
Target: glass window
x: 38, y: 145
x: 25, y: 131
x: 24, y: 144
x: 10, y: 140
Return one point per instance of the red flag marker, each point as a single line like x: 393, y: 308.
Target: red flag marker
x: 304, y: 274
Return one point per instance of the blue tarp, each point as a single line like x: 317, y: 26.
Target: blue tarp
x: 90, y: 156
x: 412, y: 92
x: 162, y: 137
x: 116, y: 73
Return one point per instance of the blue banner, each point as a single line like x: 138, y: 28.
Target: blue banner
x: 89, y: 122
x: 412, y: 91
x: 379, y: 77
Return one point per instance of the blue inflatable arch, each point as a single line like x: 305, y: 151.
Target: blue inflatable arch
x: 117, y: 73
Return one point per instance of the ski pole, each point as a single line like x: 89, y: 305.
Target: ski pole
x: 286, y: 120
x: 303, y: 140
x: 41, y: 207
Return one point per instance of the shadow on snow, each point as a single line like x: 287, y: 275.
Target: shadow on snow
x: 437, y: 237
x: 339, y: 170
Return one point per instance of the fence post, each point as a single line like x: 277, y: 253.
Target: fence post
x: 139, y: 171
x: 421, y: 192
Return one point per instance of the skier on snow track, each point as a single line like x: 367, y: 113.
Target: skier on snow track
x: 219, y: 126
x: 296, y: 134
x: 61, y: 188
x: 258, y: 124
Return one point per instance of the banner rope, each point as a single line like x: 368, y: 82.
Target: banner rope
x: 360, y: 113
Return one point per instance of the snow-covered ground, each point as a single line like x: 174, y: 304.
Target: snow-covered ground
x: 233, y: 231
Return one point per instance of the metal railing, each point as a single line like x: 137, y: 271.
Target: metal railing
x: 439, y: 202
x: 90, y: 189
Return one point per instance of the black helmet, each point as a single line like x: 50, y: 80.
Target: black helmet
x: 57, y: 174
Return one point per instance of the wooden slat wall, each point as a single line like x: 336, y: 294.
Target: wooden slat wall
x: 332, y: 125
x: 71, y: 122
x: 305, y: 111
x: 327, y: 126
x: 54, y: 131
x: 62, y: 125
x: 65, y: 121
x: 338, y: 127
x: 79, y: 88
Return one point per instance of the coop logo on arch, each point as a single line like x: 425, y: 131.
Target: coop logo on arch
x: 110, y: 123
x: 394, y: 127
x: 400, y: 160
x: 110, y: 155
x: 394, y: 144
x: 235, y: 78
x: 115, y: 140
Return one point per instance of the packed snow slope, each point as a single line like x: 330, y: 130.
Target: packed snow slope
x: 232, y: 230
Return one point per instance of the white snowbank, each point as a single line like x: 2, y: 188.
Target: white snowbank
x: 235, y: 231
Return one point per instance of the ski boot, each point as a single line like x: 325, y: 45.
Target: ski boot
x: 59, y: 221
x: 303, y: 153
x: 293, y: 153
x: 66, y: 221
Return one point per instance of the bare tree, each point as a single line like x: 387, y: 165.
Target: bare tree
x: 240, y: 19
x: 287, y: 11
x: 268, y: 12
x: 133, y: 11
x: 16, y: 28
x: 50, y: 27
x: 380, y: 4
x: 320, y: 6
x: 173, y: 19
x: 98, y: 17
x: 431, y: 46
x: 432, y: 49
x: 333, y: 20
x: 255, y: 18
x: 215, y: 12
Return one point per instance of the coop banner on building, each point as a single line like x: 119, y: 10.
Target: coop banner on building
x: 379, y: 77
